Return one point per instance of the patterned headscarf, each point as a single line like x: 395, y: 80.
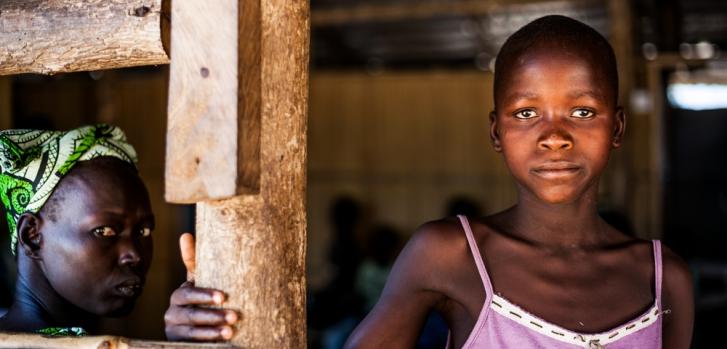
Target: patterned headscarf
x: 34, y: 161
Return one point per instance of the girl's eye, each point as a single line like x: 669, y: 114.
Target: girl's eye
x: 525, y: 114
x: 582, y: 114
x: 104, y: 232
x: 145, y: 232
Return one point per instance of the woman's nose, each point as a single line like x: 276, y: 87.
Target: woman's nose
x: 129, y: 254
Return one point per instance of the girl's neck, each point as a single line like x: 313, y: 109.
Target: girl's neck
x: 37, y: 305
x: 566, y: 225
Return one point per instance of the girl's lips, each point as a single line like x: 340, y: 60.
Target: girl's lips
x: 556, y: 170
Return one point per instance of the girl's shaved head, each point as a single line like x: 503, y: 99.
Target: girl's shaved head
x: 559, y: 35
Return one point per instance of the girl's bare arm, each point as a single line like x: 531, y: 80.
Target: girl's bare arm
x: 409, y: 295
x: 678, y: 299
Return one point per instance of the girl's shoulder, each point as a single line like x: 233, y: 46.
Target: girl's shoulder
x: 440, y: 249
x: 438, y: 238
x: 446, y: 237
x: 676, y: 279
x: 445, y: 230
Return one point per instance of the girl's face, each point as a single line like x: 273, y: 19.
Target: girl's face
x: 97, y: 247
x: 555, y: 124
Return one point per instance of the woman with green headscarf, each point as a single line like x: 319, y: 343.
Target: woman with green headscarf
x: 80, y: 223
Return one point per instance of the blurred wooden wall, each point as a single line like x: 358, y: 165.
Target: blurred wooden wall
x: 402, y: 143
x: 135, y: 100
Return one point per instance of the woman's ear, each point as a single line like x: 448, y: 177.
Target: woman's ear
x: 494, y: 135
x: 29, y: 235
x: 619, y: 127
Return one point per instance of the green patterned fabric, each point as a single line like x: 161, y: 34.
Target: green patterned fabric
x: 63, y: 332
x: 34, y: 161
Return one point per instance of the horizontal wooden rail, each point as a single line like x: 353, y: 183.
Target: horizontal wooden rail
x: 377, y: 12
x: 25, y: 340
x: 50, y: 37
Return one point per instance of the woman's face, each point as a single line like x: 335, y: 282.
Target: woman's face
x: 96, y: 243
x: 556, y: 124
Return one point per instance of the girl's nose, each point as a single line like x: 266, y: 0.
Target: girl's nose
x: 557, y: 140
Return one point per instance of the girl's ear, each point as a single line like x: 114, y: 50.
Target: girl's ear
x: 29, y: 235
x: 494, y: 135
x: 619, y: 127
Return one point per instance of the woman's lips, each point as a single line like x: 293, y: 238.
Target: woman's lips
x: 129, y: 289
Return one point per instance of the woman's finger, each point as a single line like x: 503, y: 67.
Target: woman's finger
x: 187, y: 248
x: 195, y: 316
x: 206, y: 333
x: 190, y: 295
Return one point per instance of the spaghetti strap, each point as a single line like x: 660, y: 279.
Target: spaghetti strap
x: 478, y: 259
x: 657, y: 271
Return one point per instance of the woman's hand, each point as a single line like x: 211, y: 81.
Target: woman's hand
x: 190, y: 316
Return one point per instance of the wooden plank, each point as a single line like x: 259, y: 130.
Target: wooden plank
x: 251, y: 246
x: 25, y: 340
x: 260, y: 239
x: 213, y: 138
x: 399, y: 11
x: 49, y: 37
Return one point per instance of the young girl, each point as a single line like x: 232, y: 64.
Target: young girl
x: 80, y: 221
x: 547, y: 272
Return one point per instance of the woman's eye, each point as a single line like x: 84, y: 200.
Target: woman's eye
x: 145, y: 232
x: 104, y: 232
x: 582, y: 113
x: 525, y: 114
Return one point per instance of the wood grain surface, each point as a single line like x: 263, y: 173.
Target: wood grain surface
x: 50, y: 37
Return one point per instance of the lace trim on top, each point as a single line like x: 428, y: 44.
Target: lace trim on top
x: 511, y: 311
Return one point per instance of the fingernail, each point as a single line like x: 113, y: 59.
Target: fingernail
x: 218, y: 298
x: 226, y: 332
x: 231, y: 317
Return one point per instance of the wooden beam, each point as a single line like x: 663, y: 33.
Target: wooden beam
x: 657, y: 137
x: 213, y: 138
x: 49, y: 37
x: 380, y: 12
x: 25, y: 340
x: 615, y: 187
x: 250, y: 246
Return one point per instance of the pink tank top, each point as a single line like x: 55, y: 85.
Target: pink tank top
x: 502, y: 324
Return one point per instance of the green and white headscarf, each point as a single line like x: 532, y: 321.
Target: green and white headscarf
x: 34, y: 161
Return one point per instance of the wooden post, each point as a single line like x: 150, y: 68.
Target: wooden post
x: 619, y: 172
x: 79, y: 35
x: 251, y: 246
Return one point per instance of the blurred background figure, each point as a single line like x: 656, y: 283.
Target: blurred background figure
x: 382, y: 247
x: 334, y: 311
